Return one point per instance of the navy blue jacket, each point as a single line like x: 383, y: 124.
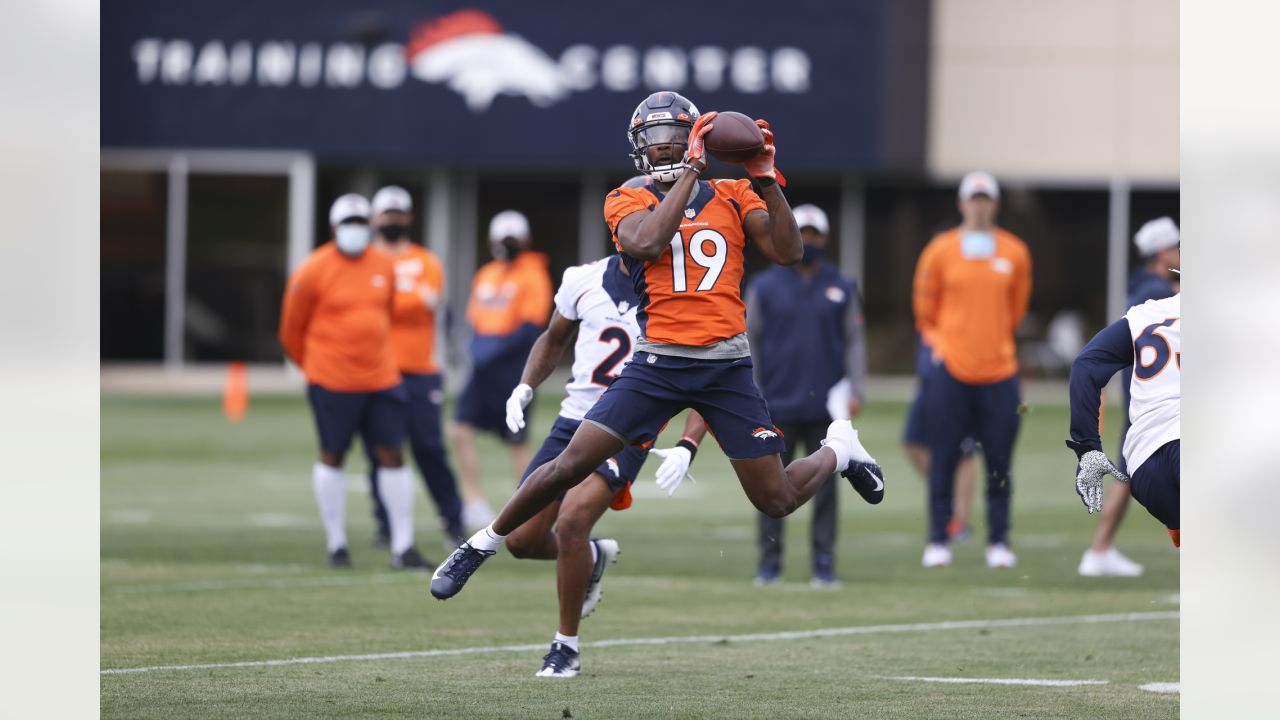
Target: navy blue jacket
x: 805, y: 334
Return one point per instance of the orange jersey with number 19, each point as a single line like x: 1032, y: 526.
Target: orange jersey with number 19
x: 691, y: 295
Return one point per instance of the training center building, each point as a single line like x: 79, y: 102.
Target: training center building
x: 228, y: 129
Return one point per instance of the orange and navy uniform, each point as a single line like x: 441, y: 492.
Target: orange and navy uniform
x: 691, y: 295
x: 510, y: 305
x: 413, y: 324
x: 336, y: 320
x: 967, y: 308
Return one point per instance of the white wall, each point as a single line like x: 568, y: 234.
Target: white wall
x: 1076, y: 90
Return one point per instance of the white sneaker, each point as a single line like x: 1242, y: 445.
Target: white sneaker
x: 1000, y: 556
x: 936, y: 555
x: 1108, y: 563
x: 606, y: 554
x: 850, y: 450
x: 476, y: 514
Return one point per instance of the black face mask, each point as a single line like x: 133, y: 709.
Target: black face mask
x: 812, y: 254
x: 512, y: 247
x: 393, y: 232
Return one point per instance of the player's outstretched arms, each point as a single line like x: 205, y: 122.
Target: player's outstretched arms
x: 546, y: 353
x: 775, y: 232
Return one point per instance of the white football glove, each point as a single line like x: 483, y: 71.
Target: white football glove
x: 519, y: 400
x: 674, y: 468
x: 1092, y: 466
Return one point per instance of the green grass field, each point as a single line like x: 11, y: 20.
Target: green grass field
x: 212, y: 554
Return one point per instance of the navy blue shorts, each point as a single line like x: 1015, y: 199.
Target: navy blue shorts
x: 382, y: 415
x: 483, y: 402
x: 617, y: 470
x: 1157, y: 484
x: 918, y: 428
x: 651, y: 389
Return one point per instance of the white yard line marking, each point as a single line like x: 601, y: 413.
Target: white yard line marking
x: 998, y: 681
x: 261, y: 584
x: 1162, y: 687
x: 682, y: 640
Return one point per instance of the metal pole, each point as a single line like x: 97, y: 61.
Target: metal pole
x: 1117, y: 249
x: 592, y: 238
x: 175, y: 270
x: 853, y: 228
x: 302, y: 210
x: 438, y: 234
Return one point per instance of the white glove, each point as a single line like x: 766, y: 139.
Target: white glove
x: 1092, y: 466
x: 674, y: 468
x: 519, y: 400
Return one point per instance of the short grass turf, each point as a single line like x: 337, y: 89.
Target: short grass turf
x: 212, y: 553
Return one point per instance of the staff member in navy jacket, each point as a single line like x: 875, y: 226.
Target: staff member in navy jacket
x: 805, y: 326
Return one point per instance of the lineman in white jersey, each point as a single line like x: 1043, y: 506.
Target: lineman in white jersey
x: 599, y: 300
x: 1148, y: 339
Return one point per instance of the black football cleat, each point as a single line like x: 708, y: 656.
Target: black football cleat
x: 411, y: 559
x: 456, y: 569
x: 340, y: 558
x: 562, y: 661
x: 867, y: 479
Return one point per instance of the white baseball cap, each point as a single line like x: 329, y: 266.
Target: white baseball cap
x: 392, y: 198
x: 1156, y: 235
x: 508, y: 224
x: 811, y: 216
x: 979, y: 182
x: 348, y: 206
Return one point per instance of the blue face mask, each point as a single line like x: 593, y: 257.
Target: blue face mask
x: 352, y: 238
x: 977, y: 244
x: 812, y: 254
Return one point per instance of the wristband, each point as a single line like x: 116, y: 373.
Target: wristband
x: 765, y: 181
x: 695, y: 170
x: 689, y: 445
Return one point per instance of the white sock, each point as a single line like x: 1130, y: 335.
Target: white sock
x: 595, y: 554
x: 395, y: 486
x: 571, y: 641
x: 842, y: 452
x: 330, y: 485
x: 487, y: 539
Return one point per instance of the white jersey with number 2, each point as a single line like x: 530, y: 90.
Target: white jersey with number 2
x: 604, y: 303
x: 1155, y: 393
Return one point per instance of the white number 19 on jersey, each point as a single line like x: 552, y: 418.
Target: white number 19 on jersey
x: 713, y: 263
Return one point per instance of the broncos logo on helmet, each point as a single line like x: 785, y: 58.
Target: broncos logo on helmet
x: 663, y: 118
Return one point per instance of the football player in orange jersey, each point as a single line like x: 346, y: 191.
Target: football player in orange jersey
x: 335, y: 324
x: 419, y: 290
x: 683, y: 241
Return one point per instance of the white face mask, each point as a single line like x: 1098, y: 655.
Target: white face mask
x: 977, y: 244
x: 352, y: 238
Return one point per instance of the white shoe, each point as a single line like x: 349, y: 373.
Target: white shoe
x: 850, y: 450
x: 606, y: 554
x: 936, y: 555
x: 1000, y: 556
x: 1108, y: 563
x: 476, y: 514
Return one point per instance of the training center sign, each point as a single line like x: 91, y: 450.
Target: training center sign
x: 512, y: 84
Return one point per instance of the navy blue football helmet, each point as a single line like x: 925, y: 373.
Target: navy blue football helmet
x: 663, y: 118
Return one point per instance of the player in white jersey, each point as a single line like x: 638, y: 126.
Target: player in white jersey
x: 1148, y: 339
x: 599, y: 300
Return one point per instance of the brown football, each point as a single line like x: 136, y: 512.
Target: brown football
x: 734, y: 137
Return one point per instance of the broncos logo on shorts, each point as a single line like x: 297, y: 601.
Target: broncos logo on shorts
x: 763, y: 433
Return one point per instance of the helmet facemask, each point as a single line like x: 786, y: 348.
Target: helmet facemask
x: 655, y: 133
